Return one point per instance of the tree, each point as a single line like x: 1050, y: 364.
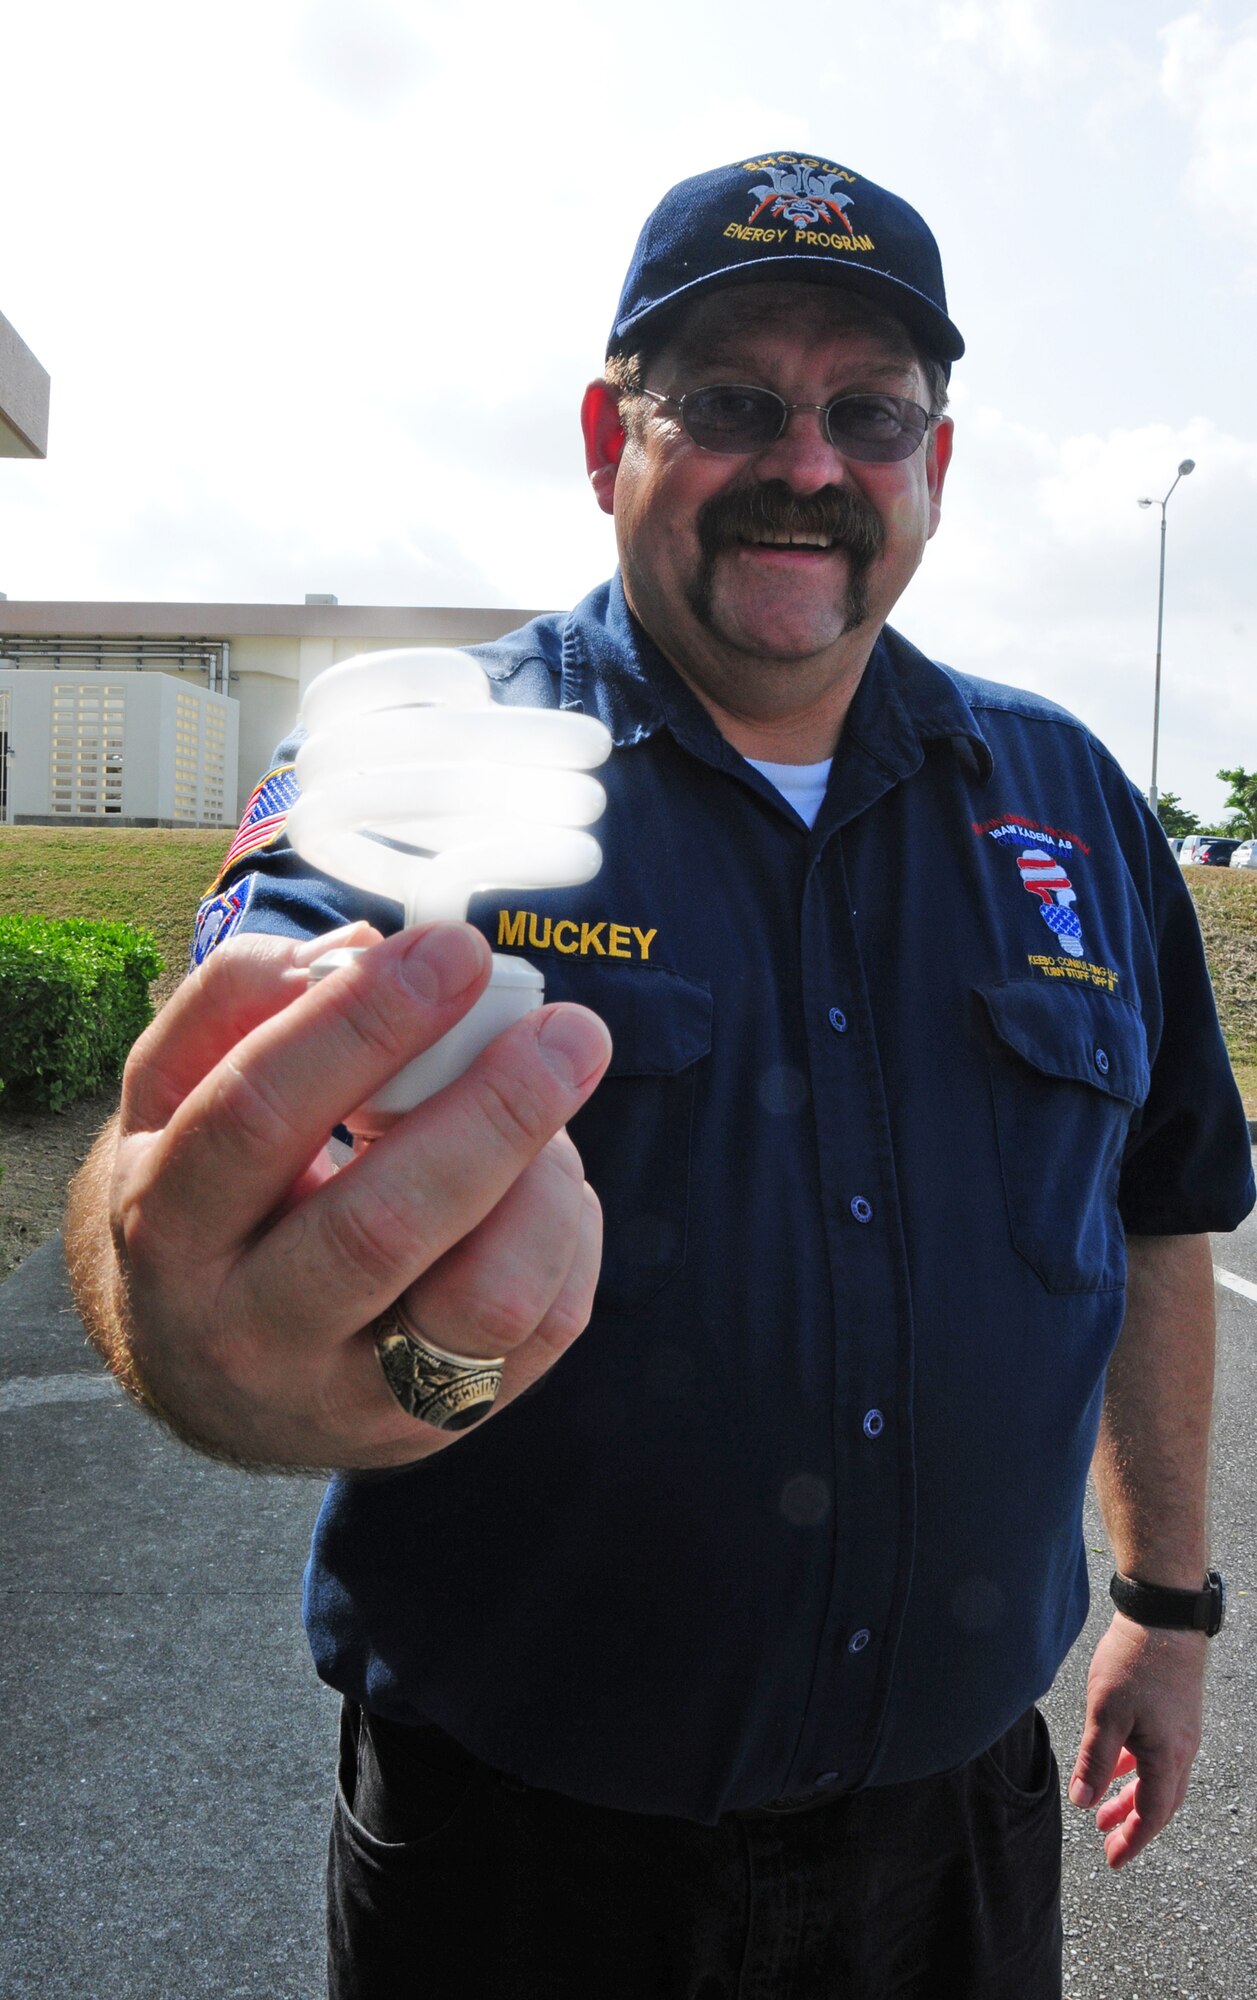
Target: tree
x: 1174, y: 817
x: 1243, y: 800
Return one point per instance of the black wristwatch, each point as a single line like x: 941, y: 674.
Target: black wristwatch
x: 1179, y: 1610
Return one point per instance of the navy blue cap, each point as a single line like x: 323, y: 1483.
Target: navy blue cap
x: 794, y: 216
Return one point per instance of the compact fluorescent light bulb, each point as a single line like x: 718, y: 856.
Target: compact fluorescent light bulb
x: 416, y: 785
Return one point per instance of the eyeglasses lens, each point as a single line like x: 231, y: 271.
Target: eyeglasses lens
x: 733, y: 419
x: 874, y: 430
x: 877, y: 429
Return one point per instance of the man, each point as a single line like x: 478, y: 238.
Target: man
x: 709, y: 1668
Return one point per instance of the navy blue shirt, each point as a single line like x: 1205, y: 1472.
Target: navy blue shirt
x: 803, y: 1505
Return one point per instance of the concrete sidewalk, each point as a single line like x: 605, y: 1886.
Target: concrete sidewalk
x: 165, y: 1784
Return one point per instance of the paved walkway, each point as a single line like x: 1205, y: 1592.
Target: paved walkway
x: 164, y: 1787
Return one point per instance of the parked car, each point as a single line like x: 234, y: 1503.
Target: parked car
x: 1245, y: 855
x: 1206, y: 850
x: 1176, y: 843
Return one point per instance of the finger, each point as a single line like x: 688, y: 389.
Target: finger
x: 381, y: 1440
x: 1111, y: 1812
x: 1125, y: 1835
x: 336, y: 1398
x: 1122, y: 1769
x: 570, y: 1311
x: 250, y: 977
x: 239, y: 1140
x: 387, y: 1217
x: 1136, y: 1826
x: 1103, y: 1741
x: 493, y: 1289
x: 1141, y: 1810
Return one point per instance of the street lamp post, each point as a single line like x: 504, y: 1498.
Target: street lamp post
x: 1188, y: 465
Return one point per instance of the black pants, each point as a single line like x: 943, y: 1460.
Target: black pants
x: 447, y: 1881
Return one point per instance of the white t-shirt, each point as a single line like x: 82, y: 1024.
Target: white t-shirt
x: 801, y: 785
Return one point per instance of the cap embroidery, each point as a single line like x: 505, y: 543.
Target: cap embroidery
x: 804, y: 195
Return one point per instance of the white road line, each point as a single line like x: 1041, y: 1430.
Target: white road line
x: 1234, y: 1284
x: 27, y: 1392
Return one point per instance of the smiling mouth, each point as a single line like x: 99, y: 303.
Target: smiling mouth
x: 770, y: 516
x: 786, y: 539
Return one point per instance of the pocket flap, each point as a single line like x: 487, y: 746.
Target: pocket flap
x: 660, y: 1022
x: 1073, y: 1032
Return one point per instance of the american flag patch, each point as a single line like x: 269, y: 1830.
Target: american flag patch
x: 264, y: 817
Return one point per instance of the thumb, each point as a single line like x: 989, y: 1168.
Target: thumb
x: 1102, y: 1756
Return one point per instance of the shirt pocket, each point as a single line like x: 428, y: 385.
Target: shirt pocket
x: 1069, y: 1070
x: 634, y: 1135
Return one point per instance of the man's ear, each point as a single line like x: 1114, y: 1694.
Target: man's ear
x: 604, y: 441
x: 938, y: 458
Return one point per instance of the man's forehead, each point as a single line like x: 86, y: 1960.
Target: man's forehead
x: 720, y: 325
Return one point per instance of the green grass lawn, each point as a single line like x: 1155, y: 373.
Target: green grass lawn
x: 1226, y: 903
x: 152, y: 877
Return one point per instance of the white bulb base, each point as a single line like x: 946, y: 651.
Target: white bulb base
x: 515, y: 988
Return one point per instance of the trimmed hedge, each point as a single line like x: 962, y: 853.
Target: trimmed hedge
x: 73, y: 998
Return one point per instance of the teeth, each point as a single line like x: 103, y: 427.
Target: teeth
x: 797, y: 539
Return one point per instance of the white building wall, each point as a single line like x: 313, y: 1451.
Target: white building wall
x: 127, y: 748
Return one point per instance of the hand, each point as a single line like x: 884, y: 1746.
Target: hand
x: 246, y: 1274
x: 1145, y: 1693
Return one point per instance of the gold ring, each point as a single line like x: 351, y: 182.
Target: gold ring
x: 449, y: 1391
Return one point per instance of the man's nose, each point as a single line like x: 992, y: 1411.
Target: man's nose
x: 803, y: 456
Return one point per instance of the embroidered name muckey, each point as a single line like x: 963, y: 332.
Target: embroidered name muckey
x: 522, y: 928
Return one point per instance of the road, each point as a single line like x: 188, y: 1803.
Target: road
x: 1182, y: 1919
x: 164, y: 1789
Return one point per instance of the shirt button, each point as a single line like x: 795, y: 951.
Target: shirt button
x: 838, y: 1020
x: 859, y: 1640
x: 874, y: 1424
x: 861, y: 1209
x: 1102, y: 1061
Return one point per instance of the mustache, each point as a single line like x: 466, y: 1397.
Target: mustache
x: 747, y: 513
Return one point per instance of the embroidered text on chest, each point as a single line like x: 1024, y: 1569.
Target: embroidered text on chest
x: 524, y: 928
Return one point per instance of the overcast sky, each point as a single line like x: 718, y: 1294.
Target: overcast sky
x: 319, y: 283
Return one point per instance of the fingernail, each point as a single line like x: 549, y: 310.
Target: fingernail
x: 1080, y: 1794
x: 443, y: 962
x: 573, y: 1045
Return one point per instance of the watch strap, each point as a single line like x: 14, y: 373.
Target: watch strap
x: 1175, y: 1610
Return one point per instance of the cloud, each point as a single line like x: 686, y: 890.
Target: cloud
x: 1058, y: 592
x: 1210, y: 79
x: 1010, y: 32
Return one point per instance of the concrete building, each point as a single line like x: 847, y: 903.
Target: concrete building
x: 131, y: 749
x: 24, y: 392
x: 250, y: 661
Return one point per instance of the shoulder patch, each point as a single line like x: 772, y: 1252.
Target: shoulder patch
x: 263, y: 819
x: 218, y: 917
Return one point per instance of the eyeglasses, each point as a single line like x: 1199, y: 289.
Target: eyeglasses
x: 733, y: 417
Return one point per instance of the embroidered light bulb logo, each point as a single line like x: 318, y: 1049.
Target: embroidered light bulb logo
x: 1046, y: 879
x: 1040, y: 852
